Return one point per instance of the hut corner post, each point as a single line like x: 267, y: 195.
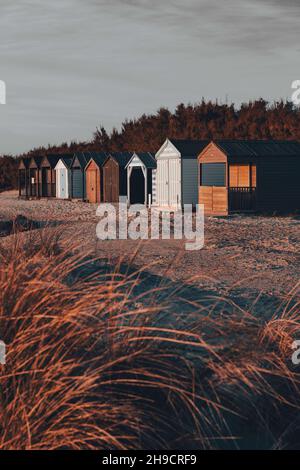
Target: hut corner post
x: 19, y: 183
x: 71, y: 189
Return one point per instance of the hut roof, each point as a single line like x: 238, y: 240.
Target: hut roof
x: 189, y: 148
x: 82, y: 157
x: 52, y: 160
x: 98, y: 157
x: 122, y: 158
x: 147, y: 159
x: 259, y: 148
x: 37, y: 160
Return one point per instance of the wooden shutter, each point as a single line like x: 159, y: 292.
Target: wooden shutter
x: 253, y: 176
x: 233, y: 176
x: 239, y: 176
x: 244, y: 176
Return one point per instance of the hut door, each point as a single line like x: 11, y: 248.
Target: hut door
x: 92, y: 185
x: 137, y: 186
x: 44, y: 182
x: 162, y: 176
x: 168, y: 182
x: 77, y: 186
x: 62, y: 184
x: 111, y: 181
x: 115, y: 183
x: 174, y: 182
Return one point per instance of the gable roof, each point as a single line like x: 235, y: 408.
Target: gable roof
x: 147, y: 159
x: 98, y: 157
x: 66, y: 159
x: 82, y: 158
x: 52, y: 160
x: 24, y: 162
x: 37, y: 160
x: 123, y: 158
x: 259, y: 148
x: 189, y: 148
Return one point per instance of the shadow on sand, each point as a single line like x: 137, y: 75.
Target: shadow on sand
x: 178, y: 305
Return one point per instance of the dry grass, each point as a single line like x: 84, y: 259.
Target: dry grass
x: 90, y: 365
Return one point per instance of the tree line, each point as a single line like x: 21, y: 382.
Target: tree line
x: 205, y: 120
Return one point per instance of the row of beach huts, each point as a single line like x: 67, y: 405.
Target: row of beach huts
x: 225, y: 175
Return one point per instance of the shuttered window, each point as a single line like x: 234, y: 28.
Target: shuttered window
x: 242, y: 176
x: 213, y: 174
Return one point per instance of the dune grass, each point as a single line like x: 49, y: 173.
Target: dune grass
x: 91, y: 366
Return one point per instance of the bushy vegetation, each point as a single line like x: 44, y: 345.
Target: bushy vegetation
x: 206, y: 120
x: 8, y: 173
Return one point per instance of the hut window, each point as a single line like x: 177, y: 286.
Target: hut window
x: 242, y: 176
x: 213, y: 174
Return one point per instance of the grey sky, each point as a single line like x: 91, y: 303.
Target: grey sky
x: 71, y: 65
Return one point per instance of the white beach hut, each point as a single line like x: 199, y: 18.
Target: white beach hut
x: 63, y: 177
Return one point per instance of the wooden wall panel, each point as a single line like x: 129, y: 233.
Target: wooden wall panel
x: 206, y: 198
x: 278, y: 184
x: 212, y: 154
x: 215, y: 200
x: 220, y: 200
x: 233, y: 176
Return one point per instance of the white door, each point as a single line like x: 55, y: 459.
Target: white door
x: 162, y: 176
x: 174, y: 182
x: 63, y: 184
x: 168, y: 178
x: 57, y: 184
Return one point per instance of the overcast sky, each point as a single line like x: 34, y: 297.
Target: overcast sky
x: 71, y: 65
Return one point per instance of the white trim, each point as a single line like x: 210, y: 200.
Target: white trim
x: 164, y: 146
x: 138, y: 164
x: 60, y: 165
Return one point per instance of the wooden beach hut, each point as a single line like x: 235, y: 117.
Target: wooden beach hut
x: 24, y: 181
x: 248, y: 176
x: 115, y: 176
x: 34, y: 174
x: 176, y: 180
x: 94, y: 176
x: 139, y: 178
x: 48, y: 176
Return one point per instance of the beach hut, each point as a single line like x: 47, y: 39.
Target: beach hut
x: 115, y: 176
x: 139, y: 178
x: 175, y: 181
x: 247, y: 176
x: 34, y: 174
x: 48, y: 176
x: 63, y: 177
x: 79, y: 162
x: 24, y: 181
x: 94, y: 176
